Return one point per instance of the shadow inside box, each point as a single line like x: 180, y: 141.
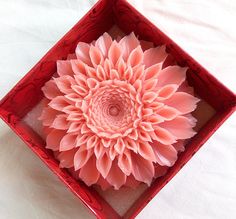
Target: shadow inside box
x: 34, y: 185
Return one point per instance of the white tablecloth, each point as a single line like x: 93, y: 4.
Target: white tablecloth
x: 204, y: 188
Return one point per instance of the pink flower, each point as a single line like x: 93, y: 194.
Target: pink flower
x: 114, y: 116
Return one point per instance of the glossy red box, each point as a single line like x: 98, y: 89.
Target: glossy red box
x: 106, y: 13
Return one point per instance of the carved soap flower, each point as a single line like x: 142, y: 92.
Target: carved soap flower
x: 114, y: 115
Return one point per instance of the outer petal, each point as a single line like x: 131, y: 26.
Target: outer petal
x: 103, y: 164
x: 145, y: 150
x: 58, y: 103
x: 103, y: 43
x: 168, y: 113
x: 154, y: 55
x: 81, y: 157
x: 66, y: 158
x: 82, y: 53
x: 136, y: 57
x: 51, y: 90
x: 60, y: 122
x: 53, y: 139
x: 78, y: 67
x: 116, y: 177
x: 166, y: 155
x: 143, y: 170
x: 164, y: 136
x: 152, y: 72
x: 172, y: 75
x: 89, y: 173
x: 68, y: 142
x: 125, y: 162
x: 114, y: 52
x: 64, y: 83
x: 64, y: 68
x: 181, y: 127
x: 96, y: 56
x: 183, y: 102
x: 179, y: 145
x: 48, y: 115
x: 128, y: 44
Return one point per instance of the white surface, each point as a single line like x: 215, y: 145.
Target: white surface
x: 204, y: 188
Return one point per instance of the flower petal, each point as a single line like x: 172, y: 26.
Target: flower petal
x: 53, y: 139
x: 78, y: 67
x: 66, y: 158
x: 149, y: 97
x: 82, y: 139
x: 64, y: 83
x: 164, y: 136
x: 131, y: 144
x: 74, y: 127
x: 50, y: 90
x: 128, y: 44
x: 114, y: 74
x: 103, y: 43
x: 92, y: 141
x: 92, y: 82
x: 64, y: 68
x: 58, y: 103
x: 81, y: 157
x: 48, y: 115
x: 150, y: 85
x: 136, y: 57
x: 152, y: 72
x: 166, y: 155
x: 119, y: 146
x: 167, y: 91
x: 144, y: 136
x: 168, y: 113
x: 146, y: 126
x: 68, y: 142
x: 116, y: 177
x: 60, y: 122
x: 82, y: 52
x: 114, y: 52
x: 183, y: 102
x: 103, y: 164
x: 101, y: 75
x: 96, y: 56
x: 80, y: 90
x: 134, y: 134
x: 172, y: 75
x: 143, y: 170
x: 89, y: 173
x: 125, y: 163
x: 153, y: 56
x: 181, y: 127
x: 145, y: 150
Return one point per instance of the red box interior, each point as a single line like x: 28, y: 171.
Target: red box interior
x: 106, y: 13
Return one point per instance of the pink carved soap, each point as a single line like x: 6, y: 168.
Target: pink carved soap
x: 114, y: 115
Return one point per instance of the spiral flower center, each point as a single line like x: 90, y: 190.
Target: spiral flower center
x: 114, y: 110
x: 111, y: 112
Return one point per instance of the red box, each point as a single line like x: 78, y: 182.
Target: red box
x: 27, y: 93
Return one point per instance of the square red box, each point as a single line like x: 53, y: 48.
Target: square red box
x: 106, y: 13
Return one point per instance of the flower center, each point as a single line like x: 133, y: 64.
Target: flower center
x: 114, y: 111
x: 111, y: 109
